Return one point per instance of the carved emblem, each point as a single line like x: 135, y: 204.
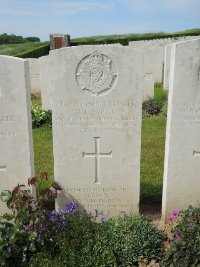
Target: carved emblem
x: 94, y: 74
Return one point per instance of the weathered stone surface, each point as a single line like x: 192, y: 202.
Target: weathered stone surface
x: 148, y: 86
x: 153, y: 63
x: 34, y: 75
x: 16, y: 147
x: 96, y: 103
x: 167, y: 67
x: 45, y: 82
x: 182, y: 151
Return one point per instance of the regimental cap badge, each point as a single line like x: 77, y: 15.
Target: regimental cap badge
x: 95, y: 74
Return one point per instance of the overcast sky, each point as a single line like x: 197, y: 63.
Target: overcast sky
x: 96, y: 17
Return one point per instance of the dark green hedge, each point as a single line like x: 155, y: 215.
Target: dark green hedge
x: 36, y: 52
x: 95, y: 42
x: 124, y: 40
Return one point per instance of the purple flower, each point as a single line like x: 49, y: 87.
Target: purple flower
x: 99, y: 212
x: 103, y: 219
x: 170, y: 219
x: 52, y: 219
x: 9, y: 249
x: 71, y: 207
x: 43, y: 229
x: 191, y: 213
x: 27, y: 230
x: 53, y: 213
x: 177, y: 234
x: 190, y: 223
x: 59, y: 211
x: 175, y: 213
x: 53, y: 216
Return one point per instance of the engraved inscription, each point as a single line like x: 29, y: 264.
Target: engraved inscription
x: 106, y: 197
x: 94, y: 74
x: 97, y: 155
x: 96, y: 116
x: 190, y: 113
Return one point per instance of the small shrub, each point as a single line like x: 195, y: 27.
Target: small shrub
x: 133, y: 239
x: 184, y: 249
x: 82, y: 242
x: 21, y: 230
x: 40, y: 116
x: 152, y: 106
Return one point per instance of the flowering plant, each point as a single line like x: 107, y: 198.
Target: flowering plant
x: 21, y: 230
x: 40, y: 116
x: 185, y: 246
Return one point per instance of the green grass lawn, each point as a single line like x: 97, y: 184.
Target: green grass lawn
x: 152, y: 156
x: 13, y: 49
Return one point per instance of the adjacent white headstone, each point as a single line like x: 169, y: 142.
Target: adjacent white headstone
x: 16, y: 147
x: 34, y: 75
x: 167, y: 67
x: 45, y: 82
x: 148, y: 86
x: 96, y: 103
x: 182, y: 151
x: 153, y: 63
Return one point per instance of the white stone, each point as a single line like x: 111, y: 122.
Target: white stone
x: 167, y: 59
x: 148, y: 86
x: 16, y: 146
x: 96, y: 102
x: 153, y: 63
x: 34, y: 75
x: 167, y: 67
x: 45, y: 82
x: 182, y: 150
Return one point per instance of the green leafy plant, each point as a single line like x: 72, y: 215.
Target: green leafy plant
x: 133, y: 239
x: 40, y: 117
x: 77, y: 240
x: 20, y: 229
x: 153, y: 106
x: 184, y: 248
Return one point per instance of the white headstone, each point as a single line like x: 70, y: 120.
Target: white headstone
x: 45, y: 82
x: 182, y: 151
x: 167, y: 67
x: 96, y: 103
x: 16, y: 146
x: 34, y: 75
x: 153, y: 63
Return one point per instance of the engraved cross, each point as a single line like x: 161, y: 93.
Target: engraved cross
x: 97, y: 155
x: 196, y: 153
x: 2, y: 167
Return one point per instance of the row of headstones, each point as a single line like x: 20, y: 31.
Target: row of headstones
x: 96, y: 107
x: 156, y: 54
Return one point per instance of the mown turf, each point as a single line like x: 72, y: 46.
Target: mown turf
x: 43, y: 154
x: 152, y: 158
x: 13, y: 49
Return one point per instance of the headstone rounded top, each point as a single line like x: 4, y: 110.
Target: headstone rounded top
x: 96, y: 74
